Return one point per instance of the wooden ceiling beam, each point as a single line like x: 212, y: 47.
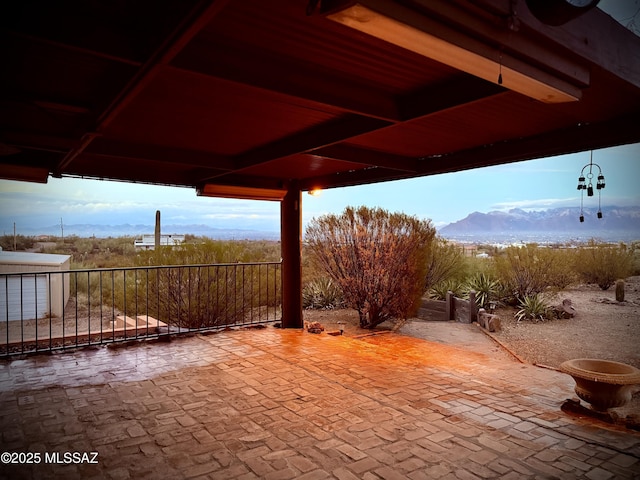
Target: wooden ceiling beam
x: 37, y: 141
x: 326, y: 134
x: 498, y: 23
x: 620, y: 131
x: 370, y: 158
x: 202, y: 14
x: 122, y: 149
x: 494, y: 35
x: 277, y: 74
x: 351, y: 178
x: 462, y: 90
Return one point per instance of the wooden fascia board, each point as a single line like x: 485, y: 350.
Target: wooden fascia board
x: 594, y: 37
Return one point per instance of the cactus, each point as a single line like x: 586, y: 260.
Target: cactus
x: 620, y: 291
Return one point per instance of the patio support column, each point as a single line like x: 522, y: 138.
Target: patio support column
x: 291, y: 249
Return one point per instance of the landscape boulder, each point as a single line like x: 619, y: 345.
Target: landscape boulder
x: 565, y: 310
x: 488, y: 321
x: 315, y: 327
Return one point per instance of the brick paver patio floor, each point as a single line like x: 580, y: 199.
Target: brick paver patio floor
x: 277, y: 404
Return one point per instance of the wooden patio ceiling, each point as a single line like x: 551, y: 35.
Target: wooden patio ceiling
x: 258, y: 93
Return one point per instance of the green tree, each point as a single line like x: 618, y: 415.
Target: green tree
x: 379, y: 259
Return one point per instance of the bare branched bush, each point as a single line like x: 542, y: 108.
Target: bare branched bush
x: 379, y: 259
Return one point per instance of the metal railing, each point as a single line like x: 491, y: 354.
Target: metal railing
x: 48, y: 311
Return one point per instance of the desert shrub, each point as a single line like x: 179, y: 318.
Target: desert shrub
x: 603, y: 264
x: 532, y: 307
x: 209, y: 252
x: 439, y: 290
x: 445, y: 261
x: 379, y: 259
x: 20, y: 242
x: 635, y: 262
x: 195, y: 294
x: 474, y: 266
x: 322, y: 293
x: 561, y: 272
x: 92, y: 252
x: 524, y: 271
x: 487, y: 289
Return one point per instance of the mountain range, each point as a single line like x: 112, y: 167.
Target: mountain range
x: 616, y: 223
x: 555, y: 224
x: 103, y: 231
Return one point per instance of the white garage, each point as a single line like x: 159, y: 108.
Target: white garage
x: 30, y: 285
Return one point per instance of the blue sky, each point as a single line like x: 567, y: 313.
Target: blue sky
x: 536, y: 184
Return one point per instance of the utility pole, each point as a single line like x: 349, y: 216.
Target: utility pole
x: 14, y: 237
x: 62, y: 229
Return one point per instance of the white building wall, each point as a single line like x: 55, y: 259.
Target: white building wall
x: 36, y: 295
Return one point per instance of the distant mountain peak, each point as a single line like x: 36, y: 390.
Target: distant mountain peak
x: 564, y: 220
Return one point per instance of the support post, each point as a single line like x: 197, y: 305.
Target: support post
x: 449, y: 306
x: 291, y: 249
x: 473, y: 308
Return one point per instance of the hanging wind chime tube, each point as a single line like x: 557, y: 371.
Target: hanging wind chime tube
x: 583, y: 185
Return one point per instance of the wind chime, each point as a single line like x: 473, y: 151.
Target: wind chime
x: 583, y: 185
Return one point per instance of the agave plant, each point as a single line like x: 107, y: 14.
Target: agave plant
x: 439, y: 291
x: 532, y: 307
x: 322, y: 293
x: 486, y: 288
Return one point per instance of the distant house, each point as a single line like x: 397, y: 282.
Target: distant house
x: 148, y: 242
x: 30, y: 286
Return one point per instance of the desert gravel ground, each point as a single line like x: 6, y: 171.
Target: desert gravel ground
x: 601, y: 328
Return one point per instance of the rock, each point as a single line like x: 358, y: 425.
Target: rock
x: 565, y: 310
x: 315, y: 327
x: 488, y: 321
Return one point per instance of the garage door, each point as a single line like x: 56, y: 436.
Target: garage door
x: 23, y: 297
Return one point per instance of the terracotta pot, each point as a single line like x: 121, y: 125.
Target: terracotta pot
x: 603, y: 383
